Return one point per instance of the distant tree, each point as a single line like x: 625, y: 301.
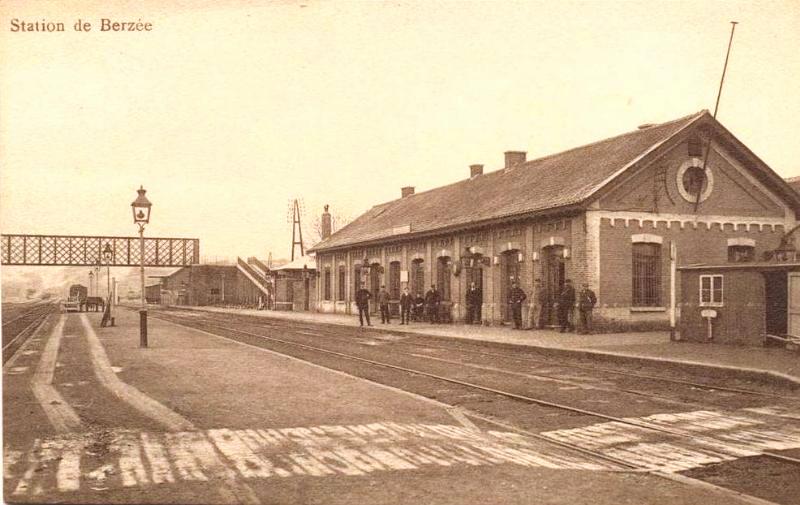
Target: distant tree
x: 313, y: 233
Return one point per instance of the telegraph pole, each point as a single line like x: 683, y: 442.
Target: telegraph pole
x: 716, y: 108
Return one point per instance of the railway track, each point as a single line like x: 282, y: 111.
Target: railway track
x: 468, y: 348
x: 19, y: 327
x: 300, y: 350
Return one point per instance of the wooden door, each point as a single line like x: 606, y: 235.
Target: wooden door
x: 374, y: 285
x: 553, y: 274
x: 793, y: 315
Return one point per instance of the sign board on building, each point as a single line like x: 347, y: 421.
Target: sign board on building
x: 403, y: 275
x: 400, y: 230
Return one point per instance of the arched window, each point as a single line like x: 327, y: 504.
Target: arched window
x: 394, y: 280
x: 327, y: 283
x: 443, y: 276
x: 646, y: 274
x: 356, y: 279
x: 418, y: 277
x: 342, y: 282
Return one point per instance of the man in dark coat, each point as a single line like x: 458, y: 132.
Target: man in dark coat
x: 566, y: 305
x: 383, y: 304
x: 586, y: 302
x: 432, y: 301
x: 474, y: 301
x: 362, y: 302
x: 419, y: 307
x: 515, y: 298
x: 405, y: 306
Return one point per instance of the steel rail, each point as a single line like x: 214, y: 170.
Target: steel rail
x: 651, y: 396
x: 34, y: 309
x: 527, y: 399
x: 579, y: 367
x: 35, y: 324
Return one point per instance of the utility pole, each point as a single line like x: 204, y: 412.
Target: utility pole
x: 297, y: 230
x: 716, y: 108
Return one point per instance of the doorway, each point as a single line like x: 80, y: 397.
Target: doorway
x: 374, y: 285
x: 793, y: 307
x: 776, y: 313
x: 511, y: 269
x: 553, y: 280
x: 306, y: 294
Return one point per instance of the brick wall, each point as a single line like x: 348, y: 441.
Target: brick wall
x: 705, y: 243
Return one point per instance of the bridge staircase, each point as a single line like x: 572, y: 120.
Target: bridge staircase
x: 255, y: 275
x: 259, y: 265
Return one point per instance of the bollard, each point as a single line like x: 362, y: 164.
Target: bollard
x: 112, y: 321
x: 143, y: 328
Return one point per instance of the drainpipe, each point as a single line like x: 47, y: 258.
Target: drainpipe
x: 673, y: 260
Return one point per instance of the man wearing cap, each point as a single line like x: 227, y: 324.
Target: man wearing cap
x: 405, y: 306
x: 362, y: 302
x: 586, y: 302
x: 432, y: 301
x: 566, y: 303
x: 515, y: 298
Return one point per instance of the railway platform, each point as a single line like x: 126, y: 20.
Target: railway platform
x: 198, y: 418
x: 757, y: 363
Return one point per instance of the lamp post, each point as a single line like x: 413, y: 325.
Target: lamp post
x: 107, y: 255
x: 141, y: 216
x: 91, y: 284
x: 97, y: 278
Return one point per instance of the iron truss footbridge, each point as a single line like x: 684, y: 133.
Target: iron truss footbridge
x: 71, y: 250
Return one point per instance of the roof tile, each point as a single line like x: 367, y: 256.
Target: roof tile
x: 553, y: 181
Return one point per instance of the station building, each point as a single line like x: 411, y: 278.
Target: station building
x: 619, y: 214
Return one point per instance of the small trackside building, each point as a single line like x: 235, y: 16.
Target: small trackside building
x: 611, y: 214
x: 740, y: 303
x: 296, y: 285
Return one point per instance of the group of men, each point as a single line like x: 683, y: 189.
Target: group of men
x: 564, y: 303
x: 418, y: 306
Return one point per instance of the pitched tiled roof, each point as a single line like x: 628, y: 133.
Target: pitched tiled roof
x: 554, y: 181
x: 794, y: 182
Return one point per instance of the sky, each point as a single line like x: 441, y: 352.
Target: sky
x: 227, y: 110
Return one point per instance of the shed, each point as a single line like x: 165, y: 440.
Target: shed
x: 295, y: 284
x: 740, y: 303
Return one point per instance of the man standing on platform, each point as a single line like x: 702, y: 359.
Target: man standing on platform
x: 383, y: 303
x: 419, y: 307
x: 474, y: 301
x: 432, y: 300
x: 538, y: 298
x: 362, y: 302
x: 566, y: 305
x: 515, y: 298
x: 405, y: 306
x: 586, y: 302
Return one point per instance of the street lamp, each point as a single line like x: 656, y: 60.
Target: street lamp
x: 108, y: 254
x: 97, y: 278
x: 141, y: 216
x: 91, y: 284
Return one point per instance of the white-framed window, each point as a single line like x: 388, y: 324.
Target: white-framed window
x: 711, y: 291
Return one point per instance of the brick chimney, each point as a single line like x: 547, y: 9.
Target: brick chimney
x: 515, y: 158
x: 475, y: 170
x: 326, y: 227
x: 407, y: 191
